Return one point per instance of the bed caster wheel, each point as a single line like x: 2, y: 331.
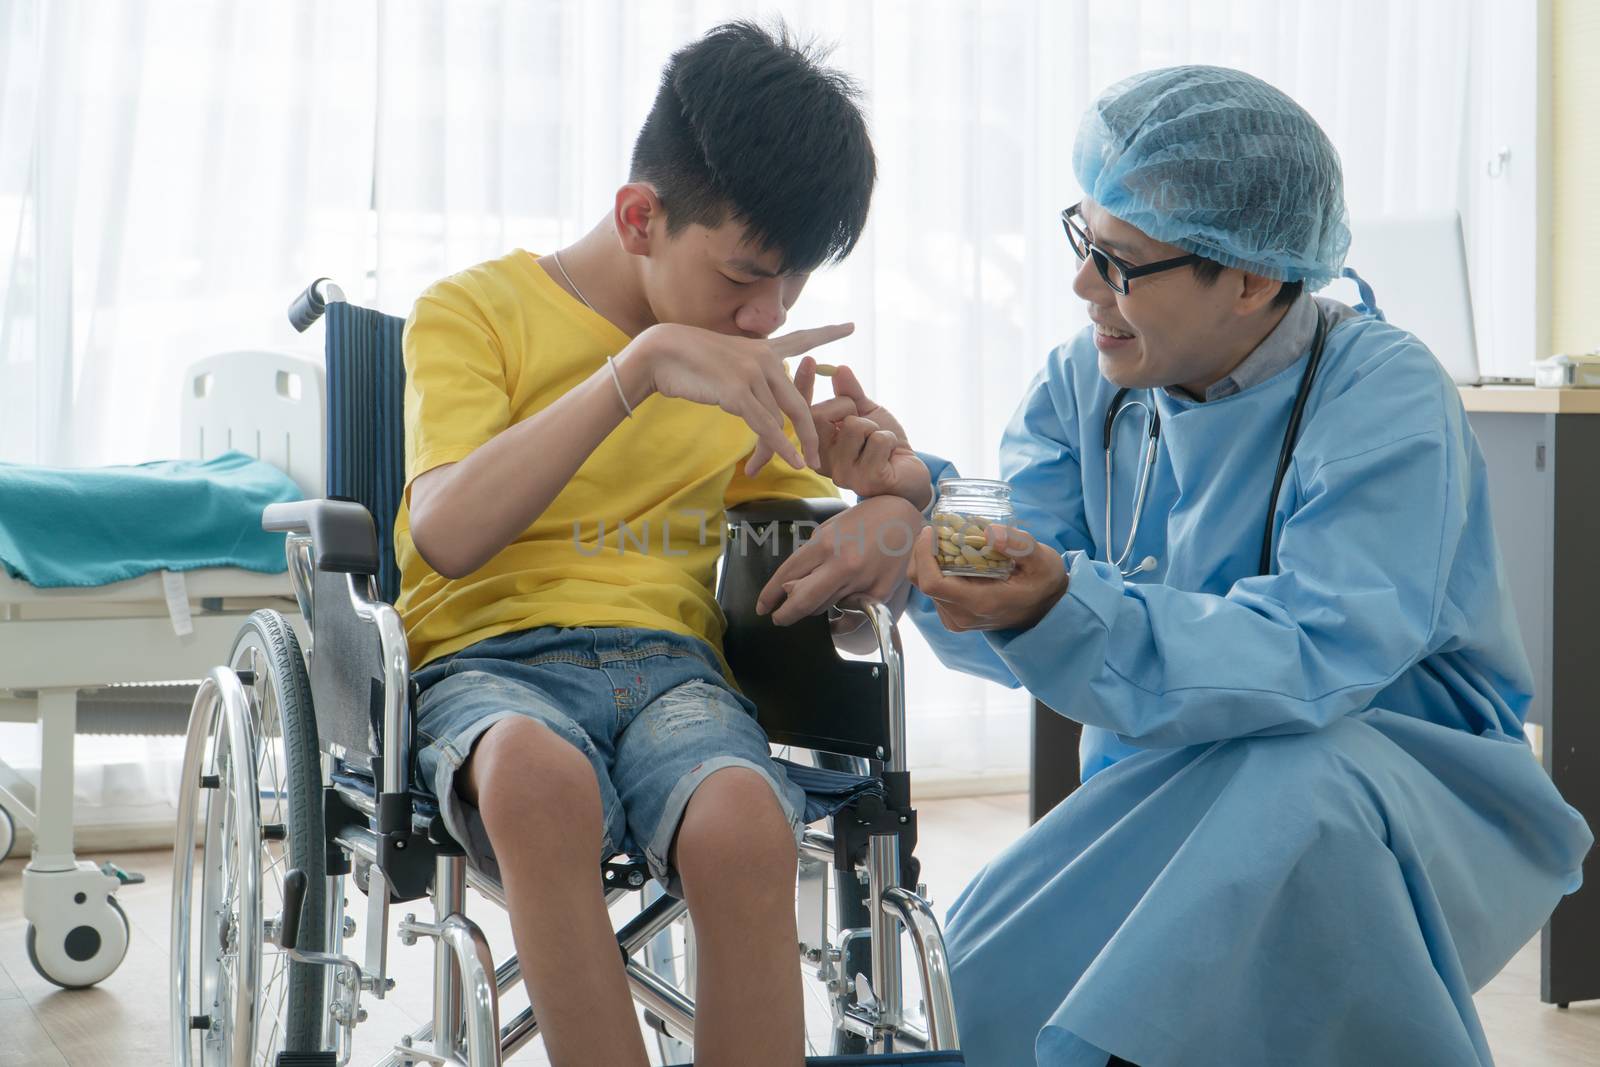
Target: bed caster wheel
x: 82, y: 949
x: 8, y: 834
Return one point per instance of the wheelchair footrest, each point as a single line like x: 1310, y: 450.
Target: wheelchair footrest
x: 306, y: 1059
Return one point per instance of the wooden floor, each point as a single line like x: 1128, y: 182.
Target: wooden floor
x: 124, y: 1020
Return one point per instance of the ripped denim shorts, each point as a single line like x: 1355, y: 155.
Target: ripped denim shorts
x: 651, y: 711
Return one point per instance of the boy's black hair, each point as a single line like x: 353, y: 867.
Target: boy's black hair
x: 748, y: 124
x: 1209, y: 270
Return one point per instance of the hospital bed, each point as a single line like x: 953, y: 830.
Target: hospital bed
x: 112, y: 659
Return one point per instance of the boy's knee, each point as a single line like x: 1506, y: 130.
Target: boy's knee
x: 735, y: 833
x: 521, y: 772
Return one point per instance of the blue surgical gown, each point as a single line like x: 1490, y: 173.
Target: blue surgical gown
x: 1310, y: 825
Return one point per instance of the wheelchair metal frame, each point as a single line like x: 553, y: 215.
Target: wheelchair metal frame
x: 466, y: 1028
x: 332, y: 554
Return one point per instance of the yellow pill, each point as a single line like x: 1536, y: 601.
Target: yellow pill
x: 827, y: 370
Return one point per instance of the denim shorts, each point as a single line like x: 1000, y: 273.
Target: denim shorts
x: 650, y: 710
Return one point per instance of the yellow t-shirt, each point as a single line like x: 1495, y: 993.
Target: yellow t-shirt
x: 494, y: 345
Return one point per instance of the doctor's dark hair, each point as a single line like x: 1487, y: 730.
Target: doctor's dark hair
x: 1209, y: 270
x: 749, y: 125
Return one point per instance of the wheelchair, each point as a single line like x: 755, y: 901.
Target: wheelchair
x: 297, y: 775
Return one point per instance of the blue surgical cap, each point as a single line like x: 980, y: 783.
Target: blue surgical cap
x: 1220, y: 164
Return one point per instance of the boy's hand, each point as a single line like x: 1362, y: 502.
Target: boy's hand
x: 862, y: 550
x: 744, y: 376
x: 867, y: 451
x: 823, y: 415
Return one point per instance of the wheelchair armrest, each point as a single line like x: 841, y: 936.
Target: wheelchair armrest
x: 805, y: 693
x: 343, y: 537
x: 760, y: 512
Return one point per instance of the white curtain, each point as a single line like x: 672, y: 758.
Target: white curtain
x: 170, y: 175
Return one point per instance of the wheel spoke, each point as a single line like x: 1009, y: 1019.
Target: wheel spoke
x: 275, y: 983
x: 277, y: 864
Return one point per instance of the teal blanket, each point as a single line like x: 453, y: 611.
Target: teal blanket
x: 92, y: 526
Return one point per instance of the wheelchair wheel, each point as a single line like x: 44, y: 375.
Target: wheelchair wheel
x: 252, y: 796
x: 8, y: 834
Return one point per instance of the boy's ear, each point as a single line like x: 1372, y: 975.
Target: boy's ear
x: 637, y: 207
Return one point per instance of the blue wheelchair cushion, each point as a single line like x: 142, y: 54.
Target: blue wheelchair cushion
x: 827, y: 791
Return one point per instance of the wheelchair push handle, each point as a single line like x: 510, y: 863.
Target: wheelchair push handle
x: 307, y: 308
x: 294, y: 898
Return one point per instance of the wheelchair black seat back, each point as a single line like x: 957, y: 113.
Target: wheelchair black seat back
x: 297, y: 777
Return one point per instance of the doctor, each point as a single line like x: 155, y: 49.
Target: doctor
x: 1310, y: 825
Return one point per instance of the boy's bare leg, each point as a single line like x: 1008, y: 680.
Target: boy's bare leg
x: 736, y: 857
x: 541, y: 807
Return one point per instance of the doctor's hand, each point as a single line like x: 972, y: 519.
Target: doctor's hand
x: 862, y: 550
x: 1038, y: 581
x: 865, y: 450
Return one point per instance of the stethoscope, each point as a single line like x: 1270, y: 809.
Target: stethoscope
x: 1147, y: 462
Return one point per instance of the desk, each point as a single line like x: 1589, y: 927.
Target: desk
x: 1543, y: 456
x: 1542, y: 447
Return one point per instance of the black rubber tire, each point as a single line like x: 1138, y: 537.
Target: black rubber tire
x: 32, y: 939
x: 8, y: 834
x: 286, y: 675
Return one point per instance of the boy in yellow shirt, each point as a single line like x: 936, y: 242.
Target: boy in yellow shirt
x: 575, y: 424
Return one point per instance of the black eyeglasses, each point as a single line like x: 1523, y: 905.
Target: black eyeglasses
x: 1116, y: 272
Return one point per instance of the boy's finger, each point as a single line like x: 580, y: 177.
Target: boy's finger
x: 854, y: 433
x: 763, y: 415
x: 833, y: 409
x: 758, y: 459
x: 787, y: 399
x: 845, y: 383
x: 805, y: 377
x: 801, y: 563
x: 879, y: 447
x: 793, y: 344
x: 807, y: 597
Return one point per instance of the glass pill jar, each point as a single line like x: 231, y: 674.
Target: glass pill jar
x: 966, y: 508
